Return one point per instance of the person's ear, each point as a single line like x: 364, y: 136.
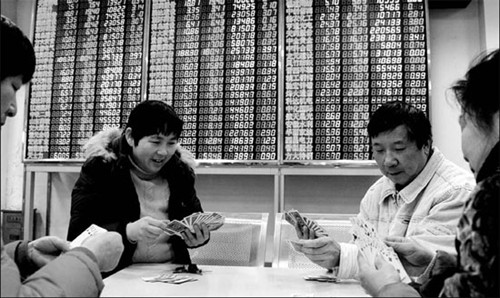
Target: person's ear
x: 128, y: 136
x: 427, y: 147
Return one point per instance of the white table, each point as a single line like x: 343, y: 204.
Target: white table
x: 220, y: 281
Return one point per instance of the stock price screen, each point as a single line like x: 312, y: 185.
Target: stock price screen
x: 88, y: 72
x: 343, y: 58
x: 218, y: 64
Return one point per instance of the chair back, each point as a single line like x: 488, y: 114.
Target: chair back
x: 241, y: 241
x: 336, y: 225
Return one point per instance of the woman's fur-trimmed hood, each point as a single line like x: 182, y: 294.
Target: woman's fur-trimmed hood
x: 101, y: 145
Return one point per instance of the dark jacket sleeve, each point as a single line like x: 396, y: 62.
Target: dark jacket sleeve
x: 184, y: 202
x: 98, y: 198
x: 84, y: 198
x: 181, y: 179
x: 478, y: 245
x: 18, y: 251
x: 444, y: 267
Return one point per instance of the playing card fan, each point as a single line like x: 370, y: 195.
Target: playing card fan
x: 213, y: 220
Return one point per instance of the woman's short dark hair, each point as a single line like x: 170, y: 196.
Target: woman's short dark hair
x: 395, y: 113
x: 18, y: 56
x: 152, y: 117
x: 477, y: 93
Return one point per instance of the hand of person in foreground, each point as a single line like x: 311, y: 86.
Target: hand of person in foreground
x: 413, y: 256
x: 323, y: 251
x: 45, y: 249
x: 374, y: 277
x: 107, y: 248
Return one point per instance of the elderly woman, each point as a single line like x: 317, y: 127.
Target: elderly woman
x: 475, y: 271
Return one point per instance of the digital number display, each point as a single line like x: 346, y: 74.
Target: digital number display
x: 216, y: 62
x: 343, y: 59
x: 89, y: 64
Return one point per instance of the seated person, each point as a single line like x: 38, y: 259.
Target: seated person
x: 46, y: 267
x: 476, y: 270
x: 134, y: 181
x: 420, y: 196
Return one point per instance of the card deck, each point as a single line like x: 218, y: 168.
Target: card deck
x: 289, y: 219
x: 169, y: 277
x: 298, y: 218
x: 213, y: 220
x: 177, y: 227
x: 294, y: 218
x: 321, y: 278
x: 369, y: 244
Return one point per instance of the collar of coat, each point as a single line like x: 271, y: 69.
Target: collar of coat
x: 111, y: 145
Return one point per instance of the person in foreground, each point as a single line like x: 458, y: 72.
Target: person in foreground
x: 420, y: 197
x: 46, y: 266
x: 135, y: 181
x: 475, y: 271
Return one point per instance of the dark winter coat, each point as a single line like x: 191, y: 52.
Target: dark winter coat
x: 105, y: 195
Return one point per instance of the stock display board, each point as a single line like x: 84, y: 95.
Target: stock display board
x: 219, y: 65
x: 343, y: 59
x: 88, y: 73
x: 216, y: 63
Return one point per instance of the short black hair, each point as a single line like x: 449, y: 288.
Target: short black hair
x: 395, y: 113
x: 18, y: 55
x: 478, y: 93
x: 152, y: 117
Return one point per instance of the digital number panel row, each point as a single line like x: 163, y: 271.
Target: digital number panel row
x: 217, y: 63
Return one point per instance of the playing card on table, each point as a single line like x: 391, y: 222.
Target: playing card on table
x: 169, y: 277
x: 321, y: 278
x: 159, y: 277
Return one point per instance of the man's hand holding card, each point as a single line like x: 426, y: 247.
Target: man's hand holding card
x: 305, y: 227
x: 370, y: 245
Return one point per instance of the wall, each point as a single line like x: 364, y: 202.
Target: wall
x: 455, y: 39
x: 489, y: 11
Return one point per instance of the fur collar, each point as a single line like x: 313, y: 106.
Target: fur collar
x: 101, y: 144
